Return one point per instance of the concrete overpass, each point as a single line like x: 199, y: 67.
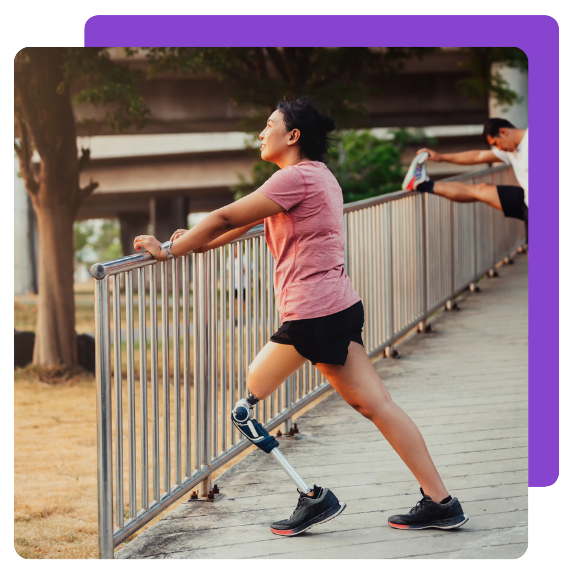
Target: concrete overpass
x: 191, y: 153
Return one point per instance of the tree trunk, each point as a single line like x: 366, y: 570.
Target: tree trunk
x: 45, y: 115
x: 55, y: 334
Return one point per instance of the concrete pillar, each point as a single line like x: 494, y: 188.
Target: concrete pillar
x: 25, y: 238
x: 517, y: 114
x: 132, y: 225
x: 168, y: 215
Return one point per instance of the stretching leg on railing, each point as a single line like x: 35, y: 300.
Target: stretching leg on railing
x: 510, y: 199
x: 467, y: 193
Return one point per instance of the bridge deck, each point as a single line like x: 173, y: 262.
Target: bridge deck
x: 465, y: 385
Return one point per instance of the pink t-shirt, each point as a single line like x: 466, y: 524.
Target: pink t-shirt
x: 307, y: 241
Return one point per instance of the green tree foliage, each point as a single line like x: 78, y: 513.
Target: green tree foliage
x: 486, y: 81
x: 366, y: 166
x: 97, y: 240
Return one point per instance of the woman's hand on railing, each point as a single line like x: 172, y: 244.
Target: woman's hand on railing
x: 150, y: 244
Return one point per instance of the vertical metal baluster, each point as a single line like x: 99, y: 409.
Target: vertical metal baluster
x: 398, y: 254
x: 255, y: 291
x: 231, y: 341
x: 198, y: 378
x: 131, y: 394
x: 204, y: 410
x: 262, y: 318
x: 176, y: 367
x: 213, y: 354
x: 240, y: 300
x: 375, y: 274
x: 223, y: 350
x: 254, y: 331
x: 143, y: 389
x: 154, y: 387
x: 104, y: 420
x: 165, y: 377
x: 376, y: 270
x: 424, y: 282
x: 369, y: 240
x: 248, y: 321
x: 186, y: 350
x: 391, y: 276
x: 382, y: 275
x: 403, y: 234
x: 270, y: 286
x: 118, y: 391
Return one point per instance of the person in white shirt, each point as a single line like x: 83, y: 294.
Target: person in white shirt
x: 509, y: 145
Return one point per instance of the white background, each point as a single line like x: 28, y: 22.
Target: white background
x: 552, y: 510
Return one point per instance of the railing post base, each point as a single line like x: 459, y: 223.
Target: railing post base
x: 286, y: 426
x: 424, y: 327
x: 391, y: 352
x: 451, y: 305
x: 205, y: 486
x: 492, y: 273
x: 474, y: 288
x: 508, y: 260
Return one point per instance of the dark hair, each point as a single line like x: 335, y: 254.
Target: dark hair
x: 303, y: 114
x: 493, y: 126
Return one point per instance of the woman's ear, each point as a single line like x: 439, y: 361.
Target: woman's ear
x: 294, y: 137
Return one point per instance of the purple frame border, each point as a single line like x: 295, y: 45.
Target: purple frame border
x: 537, y: 36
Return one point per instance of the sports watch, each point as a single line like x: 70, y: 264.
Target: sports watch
x: 166, y: 248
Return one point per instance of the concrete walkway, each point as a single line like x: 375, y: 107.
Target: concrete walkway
x: 465, y: 385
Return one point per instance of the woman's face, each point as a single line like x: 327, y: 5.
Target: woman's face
x: 276, y: 141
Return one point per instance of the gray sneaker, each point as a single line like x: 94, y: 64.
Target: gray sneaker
x: 309, y: 511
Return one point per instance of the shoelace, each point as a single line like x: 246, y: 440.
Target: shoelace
x: 299, y: 504
x: 419, y: 505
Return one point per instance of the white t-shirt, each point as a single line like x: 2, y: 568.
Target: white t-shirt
x: 519, y: 160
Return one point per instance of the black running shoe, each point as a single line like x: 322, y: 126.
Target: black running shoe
x: 428, y: 513
x: 309, y: 511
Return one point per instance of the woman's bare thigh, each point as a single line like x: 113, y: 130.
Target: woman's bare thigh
x: 271, y: 367
x: 357, y: 381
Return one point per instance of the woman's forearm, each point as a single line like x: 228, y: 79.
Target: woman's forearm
x: 230, y: 236
x: 209, y: 229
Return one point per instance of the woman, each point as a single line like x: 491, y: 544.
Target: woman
x: 322, y: 316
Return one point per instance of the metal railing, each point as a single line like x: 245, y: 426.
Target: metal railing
x: 407, y: 254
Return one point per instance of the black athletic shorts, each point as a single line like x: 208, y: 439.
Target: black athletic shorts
x: 324, y: 339
x: 513, y: 203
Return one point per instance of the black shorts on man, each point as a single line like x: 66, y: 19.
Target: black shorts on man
x: 512, y: 200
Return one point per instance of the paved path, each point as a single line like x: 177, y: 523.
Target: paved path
x: 465, y: 385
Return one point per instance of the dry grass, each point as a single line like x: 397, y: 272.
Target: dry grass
x: 55, y: 497
x: 54, y: 467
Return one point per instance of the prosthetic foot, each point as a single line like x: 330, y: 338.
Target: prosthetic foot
x: 242, y: 417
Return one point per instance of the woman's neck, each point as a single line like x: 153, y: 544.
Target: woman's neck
x: 293, y: 161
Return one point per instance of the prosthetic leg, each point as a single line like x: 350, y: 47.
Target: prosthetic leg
x: 242, y: 417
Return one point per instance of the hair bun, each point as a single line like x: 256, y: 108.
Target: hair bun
x: 328, y: 123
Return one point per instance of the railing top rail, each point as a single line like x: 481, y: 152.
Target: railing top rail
x: 132, y: 262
